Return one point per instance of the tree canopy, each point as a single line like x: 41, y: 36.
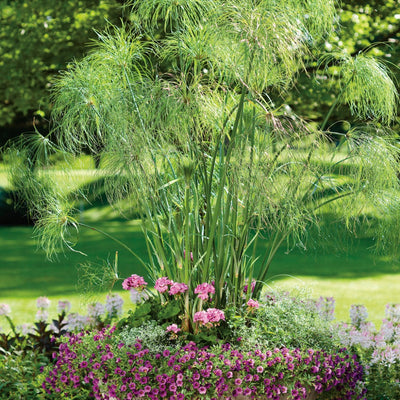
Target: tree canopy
x: 38, y: 38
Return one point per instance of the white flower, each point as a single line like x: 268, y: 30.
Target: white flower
x: 392, y: 312
x: 5, y: 309
x: 25, y: 329
x: 114, y: 305
x: 387, y: 330
x: 137, y: 297
x: 43, y: 302
x: 63, y: 306
x: 96, y: 310
x: 76, y: 322
x: 358, y: 314
x: 42, y: 315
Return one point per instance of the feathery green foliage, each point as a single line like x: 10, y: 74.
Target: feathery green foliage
x: 191, y: 138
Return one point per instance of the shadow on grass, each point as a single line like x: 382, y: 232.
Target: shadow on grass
x: 93, y: 195
x: 25, y: 270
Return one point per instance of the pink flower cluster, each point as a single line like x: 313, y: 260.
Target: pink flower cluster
x: 209, y: 318
x: 134, y: 282
x: 173, y: 328
x: 174, y: 288
x: 203, y: 290
x: 162, y: 284
x: 178, y: 288
x: 253, y: 304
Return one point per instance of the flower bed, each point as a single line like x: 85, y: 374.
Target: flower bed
x: 272, y: 353
x: 104, y: 368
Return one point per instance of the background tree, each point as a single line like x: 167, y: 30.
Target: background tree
x: 365, y: 27
x: 38, y: 38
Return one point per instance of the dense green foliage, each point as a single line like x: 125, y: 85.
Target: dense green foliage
x: 288, y: 321
x: 36, y: 45
x: 38, y: 38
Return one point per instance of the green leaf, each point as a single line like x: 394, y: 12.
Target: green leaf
x: 169, y: 311
x: 142, y: 310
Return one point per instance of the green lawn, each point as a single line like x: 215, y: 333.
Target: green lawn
x: 357, y: 277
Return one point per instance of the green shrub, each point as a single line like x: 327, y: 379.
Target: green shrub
x: 150, y: 334
x: 19, y: 370
x: 286, y: 321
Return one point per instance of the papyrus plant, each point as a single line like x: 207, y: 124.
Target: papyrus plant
x: 179, y: 106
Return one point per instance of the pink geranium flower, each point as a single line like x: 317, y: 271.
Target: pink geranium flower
x: 178, y: 288
x: 201, y: 316
x: 134, y: 281
x: 209, y: 318
x: 215, y: 315
x: 173, y: 328
x: 203, y: 290
x: 253, y: 304
x: 162, y: 284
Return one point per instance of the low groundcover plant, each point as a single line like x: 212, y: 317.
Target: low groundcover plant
x: 100, y: 366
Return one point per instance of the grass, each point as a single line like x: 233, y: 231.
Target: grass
x: 357, y: 277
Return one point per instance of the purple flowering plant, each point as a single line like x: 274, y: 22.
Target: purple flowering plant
x: 100, y: 366
x: 43, y: 335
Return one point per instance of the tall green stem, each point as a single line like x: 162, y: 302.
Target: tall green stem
x: 115, y: 240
